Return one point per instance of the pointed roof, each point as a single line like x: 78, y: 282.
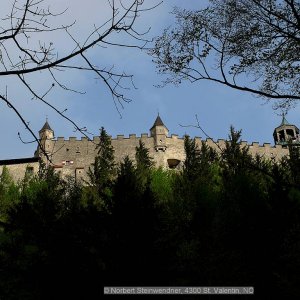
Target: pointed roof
x: 284, y: 121
x: 46, y: 126
x: 158, y: 122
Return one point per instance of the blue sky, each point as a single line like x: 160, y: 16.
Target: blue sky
x: 217, y: 107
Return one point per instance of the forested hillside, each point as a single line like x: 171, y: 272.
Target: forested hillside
x: 224, y: 220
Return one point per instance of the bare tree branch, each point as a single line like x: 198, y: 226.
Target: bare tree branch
x: 248, y: 45
x: 26, y: 48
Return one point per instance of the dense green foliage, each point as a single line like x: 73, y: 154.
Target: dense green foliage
x: 225, y: 220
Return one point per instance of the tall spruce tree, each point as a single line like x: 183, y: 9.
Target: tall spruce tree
x: 235, y: 157
x: 192, y: 160
x: 9, y: 193
x: 143, y: 159
x: 144, y: 163
x: 133, y: 215
x: 294, y: 164
x: 103, y: 170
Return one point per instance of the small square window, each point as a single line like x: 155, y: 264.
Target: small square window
x: 29, y: 170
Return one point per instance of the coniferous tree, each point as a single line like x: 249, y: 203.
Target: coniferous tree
x: 51, y: 239
x: 5, y: 179
x: 234, y: 157
x: 198, y: 161
x: 144, y: 164
x: 103, y: 168
x: 192, y: 160
x: 133, y: 216
x: 103, y: 171
x: 228, y: 220
x: 9, y: 193
x: 191, y: 213
x: 143, y: 159
x: 294, y: 164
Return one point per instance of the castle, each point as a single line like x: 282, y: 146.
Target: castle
x: 73, y: 157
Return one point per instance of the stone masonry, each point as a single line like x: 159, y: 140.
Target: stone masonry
x: 73, y: 156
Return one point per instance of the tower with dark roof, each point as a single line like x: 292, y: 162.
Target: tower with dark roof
x: 286, y: 133
x: 159, y: 132
x: 46, y: 134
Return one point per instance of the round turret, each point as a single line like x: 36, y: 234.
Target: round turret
x: 286, y: 133
x: 160, y: 132
x: 46, y: 133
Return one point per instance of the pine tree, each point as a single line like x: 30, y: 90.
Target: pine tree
x: 103, y: 168
x: 133, y: 215
x: 5, y: 180
x: 235, y: 158
x: 192, y: 161
x: 143, y: 159
x: 144, y: 165
x: 199, y: 160
x: 102, y: 172
x: 9, y: 193
x: 293, y: 162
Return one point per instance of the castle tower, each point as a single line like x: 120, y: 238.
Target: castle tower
x: 46, y: 134
x: 286, y: 133
x: 160, y: 132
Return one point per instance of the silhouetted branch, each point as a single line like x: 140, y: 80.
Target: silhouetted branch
x: 25, y: 49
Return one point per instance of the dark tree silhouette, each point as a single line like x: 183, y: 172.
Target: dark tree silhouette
x: 144, y: 164
x: 248, y: 45
x: 101, y: 174
x: 26, y: 48
x: 235, y: 222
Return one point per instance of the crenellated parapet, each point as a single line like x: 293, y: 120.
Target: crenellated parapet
x: 74, y: 156
x: 172, y: 145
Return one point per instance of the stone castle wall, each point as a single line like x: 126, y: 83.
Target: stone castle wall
x: 17, y: 171
x: 73, y: 157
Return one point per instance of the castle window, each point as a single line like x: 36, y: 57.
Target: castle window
x: 160, y: 148
x: 67, y: 162
x: 77, y: 150
x: 173, y: 163
x: 67, y: 149
x: 29, y: 170
x: 281, y: 135
x: 290, y: 132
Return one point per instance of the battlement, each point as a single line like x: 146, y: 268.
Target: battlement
x: 74, y: 156
x: 71, y: 139
x: 163, y: 147
x: 174, y: 137
x: 82, y: 151
x: 85, y: 150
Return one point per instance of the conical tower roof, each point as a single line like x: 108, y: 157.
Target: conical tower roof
x: 158, y: 122
x: 46, y: 126
x: 284, y: 121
